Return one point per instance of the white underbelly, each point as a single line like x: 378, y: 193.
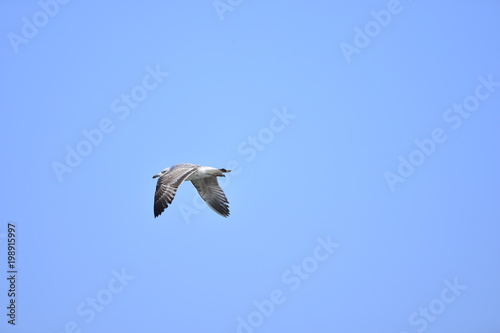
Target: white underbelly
x: 203, y: 172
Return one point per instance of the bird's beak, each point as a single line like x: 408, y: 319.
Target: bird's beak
x: 156, y: 176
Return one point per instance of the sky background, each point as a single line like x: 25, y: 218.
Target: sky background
x: 318, y: 107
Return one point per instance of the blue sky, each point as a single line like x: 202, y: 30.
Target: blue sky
x: 363, y: 139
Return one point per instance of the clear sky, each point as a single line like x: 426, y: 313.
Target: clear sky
x: 363, y: 138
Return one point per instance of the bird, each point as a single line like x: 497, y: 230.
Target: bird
x: 204, y: 180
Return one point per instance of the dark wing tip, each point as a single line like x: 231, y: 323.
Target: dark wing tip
x: 160, y: 206
x: 158, y: 212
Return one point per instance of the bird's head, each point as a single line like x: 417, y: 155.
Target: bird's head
x: 162, y: 172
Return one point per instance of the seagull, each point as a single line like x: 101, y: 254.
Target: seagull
x: 203, y: 178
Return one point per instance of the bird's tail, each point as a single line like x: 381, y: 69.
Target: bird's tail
x: 221, y: 174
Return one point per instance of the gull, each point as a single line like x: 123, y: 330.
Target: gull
x: 203, y: 178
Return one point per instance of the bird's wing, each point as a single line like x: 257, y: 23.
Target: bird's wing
x: 167, y: 186
x: 210, y: 191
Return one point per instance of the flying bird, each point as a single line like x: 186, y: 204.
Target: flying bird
x: 203, y: 178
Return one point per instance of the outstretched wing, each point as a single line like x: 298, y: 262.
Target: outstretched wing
x: 167, y: 185
x: 210, y: 191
